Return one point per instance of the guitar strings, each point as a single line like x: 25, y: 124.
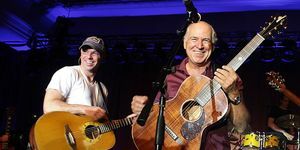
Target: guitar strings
x: 204, y: 93
x: 255, y: 42
x: 106, y: 127
x: 174, y: 123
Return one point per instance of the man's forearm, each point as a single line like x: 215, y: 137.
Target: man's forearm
x: 240, y: 116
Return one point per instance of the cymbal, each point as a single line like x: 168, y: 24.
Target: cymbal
x: 288, y: 121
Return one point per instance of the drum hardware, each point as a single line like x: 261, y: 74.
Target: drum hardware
x: 260, y: 140
x: 288, y: 121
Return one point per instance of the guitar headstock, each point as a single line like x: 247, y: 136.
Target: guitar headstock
x: 274, y: 26
x: 275, y: 80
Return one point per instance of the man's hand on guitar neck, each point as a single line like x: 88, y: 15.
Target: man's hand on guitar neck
x: 282, y: 87
x: 228, y: 78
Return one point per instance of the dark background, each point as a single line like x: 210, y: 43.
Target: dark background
x: 137, y: 49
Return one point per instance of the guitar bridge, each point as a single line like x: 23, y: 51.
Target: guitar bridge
x: 173, y: 135
x: 70, y: 137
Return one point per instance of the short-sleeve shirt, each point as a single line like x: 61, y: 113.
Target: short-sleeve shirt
x: 74, y: 86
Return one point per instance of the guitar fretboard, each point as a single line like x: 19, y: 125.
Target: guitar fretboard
x: 115, y: 124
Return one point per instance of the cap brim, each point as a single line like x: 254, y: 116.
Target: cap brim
x: 92, y: 45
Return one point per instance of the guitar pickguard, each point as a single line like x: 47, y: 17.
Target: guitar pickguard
x: 190, y: 130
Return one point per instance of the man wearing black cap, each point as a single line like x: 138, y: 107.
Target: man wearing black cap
x: 74, y: 88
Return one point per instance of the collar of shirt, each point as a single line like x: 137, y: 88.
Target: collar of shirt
x: 182, y: 68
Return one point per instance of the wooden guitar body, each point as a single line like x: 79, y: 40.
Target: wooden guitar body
x: 65, y: 131
x: 184, y: 131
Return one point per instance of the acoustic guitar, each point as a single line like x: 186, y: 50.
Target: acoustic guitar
x: 185, y: 125
x: 65, y: 131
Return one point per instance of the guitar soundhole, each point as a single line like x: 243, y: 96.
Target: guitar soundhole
x: 191, y: 110
x: 92, y: 132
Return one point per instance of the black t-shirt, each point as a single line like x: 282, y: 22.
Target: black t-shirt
x: 276, y: 112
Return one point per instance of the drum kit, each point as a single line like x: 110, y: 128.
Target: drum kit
x: 272, y: 140
x: 262, y: 140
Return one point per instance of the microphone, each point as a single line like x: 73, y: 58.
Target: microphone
x: 192, y: 11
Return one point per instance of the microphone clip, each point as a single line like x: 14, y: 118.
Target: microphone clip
x: 193, y: 18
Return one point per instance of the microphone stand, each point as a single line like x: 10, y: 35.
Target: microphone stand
x: 160, y: 124
x: 159, y: 86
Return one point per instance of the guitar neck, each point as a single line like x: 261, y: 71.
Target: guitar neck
x: 210, y: 89
x: 242, y: 56
x: 115, y: 124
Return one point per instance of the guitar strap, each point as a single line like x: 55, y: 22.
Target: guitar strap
x: 104, y: 97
